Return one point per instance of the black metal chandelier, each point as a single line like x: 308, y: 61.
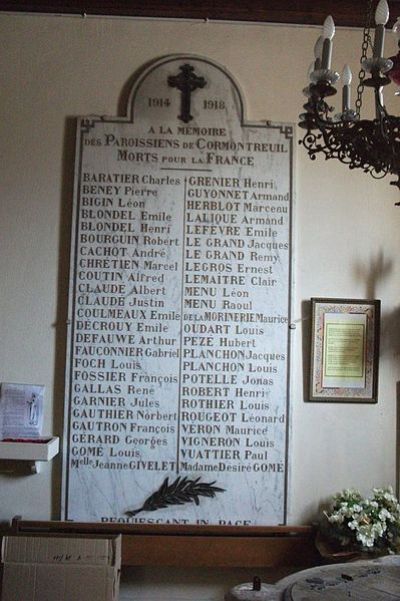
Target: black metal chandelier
x: 371, y: 145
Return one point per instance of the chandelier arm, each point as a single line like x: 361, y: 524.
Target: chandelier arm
x: 379, y: 106
x: 333, y: 135
x: 358, y: 144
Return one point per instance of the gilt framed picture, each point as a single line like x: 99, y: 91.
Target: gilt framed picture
x: 344, y: 350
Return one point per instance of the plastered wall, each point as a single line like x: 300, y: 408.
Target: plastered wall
x: 346, y: 240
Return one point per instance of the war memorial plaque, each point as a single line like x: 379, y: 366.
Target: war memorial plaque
x: 178, y: 343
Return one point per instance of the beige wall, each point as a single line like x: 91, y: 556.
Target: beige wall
x: 346, y: 226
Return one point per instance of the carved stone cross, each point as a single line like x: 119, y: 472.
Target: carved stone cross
x: 186, y: 82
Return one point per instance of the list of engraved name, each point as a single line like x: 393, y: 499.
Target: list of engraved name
x: 177, y: 361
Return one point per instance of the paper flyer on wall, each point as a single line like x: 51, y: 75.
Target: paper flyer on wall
x: 21, y: 411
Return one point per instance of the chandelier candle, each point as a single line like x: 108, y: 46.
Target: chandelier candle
x: 381, y: 18
x: 318, y: 52
x: 327, y: 34
x: 346, y: 78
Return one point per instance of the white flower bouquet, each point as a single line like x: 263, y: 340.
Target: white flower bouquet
x: 362, y: 524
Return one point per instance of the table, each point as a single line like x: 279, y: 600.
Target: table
x: 366, y: 580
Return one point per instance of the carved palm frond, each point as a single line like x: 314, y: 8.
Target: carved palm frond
x: 182, y: 490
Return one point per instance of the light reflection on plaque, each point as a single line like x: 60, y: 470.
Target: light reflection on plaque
x: 178, y: 348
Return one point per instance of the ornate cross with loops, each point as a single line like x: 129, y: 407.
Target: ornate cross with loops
x: 186, y: 82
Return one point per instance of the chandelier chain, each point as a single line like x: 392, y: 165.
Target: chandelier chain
x: 364, y: 48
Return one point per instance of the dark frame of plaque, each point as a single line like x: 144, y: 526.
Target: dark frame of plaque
x: 344, y: 350
x: 179, y: 486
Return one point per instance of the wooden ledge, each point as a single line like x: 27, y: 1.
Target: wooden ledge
x: 195, y: 546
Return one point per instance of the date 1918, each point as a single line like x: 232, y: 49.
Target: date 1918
x: 213, y: 105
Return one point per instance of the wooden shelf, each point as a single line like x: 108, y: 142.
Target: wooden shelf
x: 195, y: 546
x: 32, y: 452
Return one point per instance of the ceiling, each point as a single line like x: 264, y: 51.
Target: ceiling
x: 310, y: 12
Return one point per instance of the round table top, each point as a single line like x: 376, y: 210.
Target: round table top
x: 372, y: 580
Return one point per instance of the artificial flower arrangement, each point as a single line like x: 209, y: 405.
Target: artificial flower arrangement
x: 358, y: 524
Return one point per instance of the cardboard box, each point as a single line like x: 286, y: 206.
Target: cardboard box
x: 61, y: 568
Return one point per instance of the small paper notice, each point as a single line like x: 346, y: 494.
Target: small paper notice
x: 21, y: 411
x: 344, y: 353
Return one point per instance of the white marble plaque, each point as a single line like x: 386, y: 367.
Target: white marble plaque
x: 178, y: 347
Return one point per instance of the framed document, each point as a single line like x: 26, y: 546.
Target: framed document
x: 345, y: 350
